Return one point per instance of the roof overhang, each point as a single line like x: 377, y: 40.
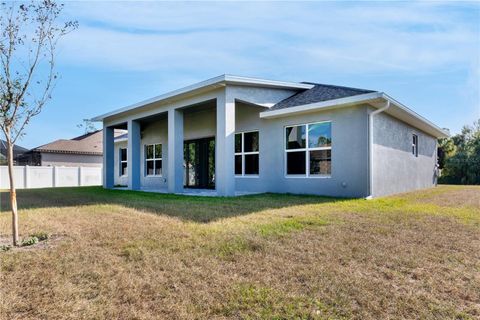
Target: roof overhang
x: 375, y: 99
x: 87, y: 153
x: 207, y: 85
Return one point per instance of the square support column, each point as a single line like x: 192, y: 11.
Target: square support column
x: 108, y: 158
x: 175, y: 151
x: 225, y: 146
x: 133, y: 155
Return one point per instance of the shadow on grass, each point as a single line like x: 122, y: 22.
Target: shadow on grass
x: 193, y: 208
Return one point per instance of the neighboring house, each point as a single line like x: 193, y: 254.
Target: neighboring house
x: 236, y: 134
x: 85, y: 150
x: 17, y: 151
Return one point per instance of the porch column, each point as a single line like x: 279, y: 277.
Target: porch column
x: 175, y: 151
x: 225, y: 149
x: 133, y: 155
x: 108, y: 157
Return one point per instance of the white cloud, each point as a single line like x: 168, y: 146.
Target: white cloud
x: 253, y: 37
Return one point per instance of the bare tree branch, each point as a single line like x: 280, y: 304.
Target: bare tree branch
x: 29, y: 33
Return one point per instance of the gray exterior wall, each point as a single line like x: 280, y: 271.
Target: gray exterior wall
x: 349, y: 150
x: 70, y: 160
x: 349, y: 153
x: 395, y: 168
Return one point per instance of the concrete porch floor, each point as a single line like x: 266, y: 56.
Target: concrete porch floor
x: 191, y: 192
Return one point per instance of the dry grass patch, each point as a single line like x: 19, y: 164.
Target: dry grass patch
x: 132, y: 255
x: 448, y: 196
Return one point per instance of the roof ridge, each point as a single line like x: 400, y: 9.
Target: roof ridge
x: 85, y: 135
x: 336, y: 86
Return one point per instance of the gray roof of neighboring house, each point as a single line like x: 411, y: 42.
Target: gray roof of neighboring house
x: 87, y: 144
x: 17, y: 150
x: 90, y: 143
x: 319, y: 93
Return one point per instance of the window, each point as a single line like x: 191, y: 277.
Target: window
x: 415, y: 145
x: 247, y: 153
x: 308, y: 149
x: 153, y: 160
x: 123, y: 161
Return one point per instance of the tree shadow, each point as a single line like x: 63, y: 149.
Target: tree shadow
x: 188, y: 208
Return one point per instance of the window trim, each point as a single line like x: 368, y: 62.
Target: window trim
x: 120, y: 161
x: 415, y: 145
x: 307, y: 150
x: 242, y: 153
x: 145, y: 172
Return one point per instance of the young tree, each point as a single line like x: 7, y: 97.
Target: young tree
x: 88, y: 125
x: 29, y: 33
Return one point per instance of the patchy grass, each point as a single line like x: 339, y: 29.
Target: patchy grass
x: 131, y: 255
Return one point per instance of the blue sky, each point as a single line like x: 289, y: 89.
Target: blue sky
x: 424, y: 54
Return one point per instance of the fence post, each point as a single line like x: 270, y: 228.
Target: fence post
x: 55, y: 176
x: 26, y: 176
x: 80, y: 180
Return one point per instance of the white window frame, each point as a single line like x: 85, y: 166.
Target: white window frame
x: 243, y: 154
x: 415, y: 145
x: 152, y: 159
x: 120, y: 162
x: 307, y: 150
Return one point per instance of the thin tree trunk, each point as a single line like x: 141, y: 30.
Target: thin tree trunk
x: 13, y: 195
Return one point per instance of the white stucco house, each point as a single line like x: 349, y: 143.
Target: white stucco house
x: 85, y: 150
x: 235, y: 135
x: 82, y: 151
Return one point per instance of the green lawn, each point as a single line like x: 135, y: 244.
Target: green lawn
x: 133, y: 255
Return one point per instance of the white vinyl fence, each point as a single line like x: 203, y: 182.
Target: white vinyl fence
x: 29, y: 177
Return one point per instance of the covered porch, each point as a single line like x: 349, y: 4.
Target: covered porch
x: 187, y: 139
x: 192, y: 146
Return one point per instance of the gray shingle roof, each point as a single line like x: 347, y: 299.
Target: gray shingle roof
x: 17, y: 150
x: 90, y: 143
x: 320, y: 92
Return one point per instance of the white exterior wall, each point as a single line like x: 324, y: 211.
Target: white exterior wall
x: 70, y: 160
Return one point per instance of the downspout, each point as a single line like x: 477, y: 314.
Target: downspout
x: 370, y: 146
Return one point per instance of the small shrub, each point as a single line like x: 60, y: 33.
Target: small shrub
x: 41, y: 236
x: 29, y: 241
x: 132, y: 253
x: 238, y: 244
x: 5, y: 247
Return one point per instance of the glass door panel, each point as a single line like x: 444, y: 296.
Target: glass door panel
x: 199, y: 163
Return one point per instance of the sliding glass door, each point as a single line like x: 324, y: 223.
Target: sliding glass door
x: 199, y: 163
